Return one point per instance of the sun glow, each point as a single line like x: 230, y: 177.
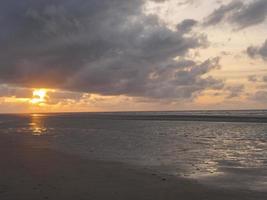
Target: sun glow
x: 39, y: 96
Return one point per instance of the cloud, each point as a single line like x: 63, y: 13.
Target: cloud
x: 239, y: 14
x: 17, y: 92
x: 186, y: 25
x: 180, y: 3
x: 261, y: 93
x: 218, y: 15
x: 108, y: 47
x: 235, y: 90
x: 187, y: 2
x: 260, y: 51
x: 59, y: 96
x: 253, y: 78
x: 260, y: 96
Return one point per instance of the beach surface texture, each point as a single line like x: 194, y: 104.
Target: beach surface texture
x: 29, y: 170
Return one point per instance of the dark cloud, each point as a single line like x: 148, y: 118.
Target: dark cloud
x: 186, y: 25
x: 107, y: 47
x: 261, y: 51
x: 240, y: 14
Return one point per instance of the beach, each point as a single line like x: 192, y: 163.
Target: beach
x: 133, y: 100
x: 29, y: 170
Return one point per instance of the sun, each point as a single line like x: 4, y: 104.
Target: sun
x: 39, y: 96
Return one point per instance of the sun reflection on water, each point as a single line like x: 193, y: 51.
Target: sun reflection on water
x: 37, y: 125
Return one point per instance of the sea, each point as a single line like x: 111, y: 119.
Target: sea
x: 219, y: 148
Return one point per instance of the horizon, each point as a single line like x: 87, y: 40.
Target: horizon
x: 129, y: 111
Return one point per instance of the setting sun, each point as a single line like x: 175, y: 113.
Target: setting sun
x: 39, y: 96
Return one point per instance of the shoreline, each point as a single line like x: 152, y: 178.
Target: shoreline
x: 30, y: 170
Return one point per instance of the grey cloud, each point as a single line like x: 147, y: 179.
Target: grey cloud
x: 235, y: 90
x: 187, y: 2
x: 7, y: 91
x: 260, y: 96
x: 186, y: 25
x: 159, y: 1
x: 261, y: 51
x: 240, y: 14
x: 107, y: 47
x: 65, y: 95
x: 180, y: 3
x: 220, y: 14
x: 55, y: 97
x: 253, y: 78
x: 226, y: 53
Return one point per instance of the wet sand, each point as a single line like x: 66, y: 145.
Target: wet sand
x: 29, y: 170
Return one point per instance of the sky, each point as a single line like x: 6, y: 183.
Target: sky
x: 132, y: 55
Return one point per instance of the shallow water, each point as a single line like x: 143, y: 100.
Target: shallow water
x: 230, y: 154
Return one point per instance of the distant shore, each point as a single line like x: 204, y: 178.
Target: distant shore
x: 157, y: 116
x: 29, y: 170
x: 204, y: 118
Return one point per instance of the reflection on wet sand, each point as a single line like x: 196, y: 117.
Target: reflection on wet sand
x: 224, y: 154
x: 37, y: 125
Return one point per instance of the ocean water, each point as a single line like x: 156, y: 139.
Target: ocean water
x: 223, y: 148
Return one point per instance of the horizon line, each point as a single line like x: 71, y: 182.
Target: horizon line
x: 130, y: 111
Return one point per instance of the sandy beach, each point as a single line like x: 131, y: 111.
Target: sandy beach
x: 29, y: 170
